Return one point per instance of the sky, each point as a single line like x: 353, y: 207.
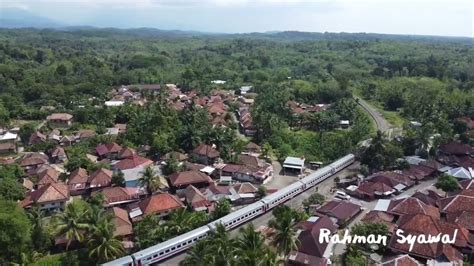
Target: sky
x: 421, y: 17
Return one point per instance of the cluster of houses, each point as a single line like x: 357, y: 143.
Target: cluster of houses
x: 203, y: 180
x: 454, y: 158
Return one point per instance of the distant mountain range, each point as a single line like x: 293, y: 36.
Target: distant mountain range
x: 18, y: 18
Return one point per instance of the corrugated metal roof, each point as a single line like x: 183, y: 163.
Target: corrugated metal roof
x: 382, y: 205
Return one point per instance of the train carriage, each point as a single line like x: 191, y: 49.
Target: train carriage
x: 240, y: 216
x: 123, y: 261
x: 282, y: 195
x: 170, y: 247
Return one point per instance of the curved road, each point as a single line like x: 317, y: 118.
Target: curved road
x: 382, y: 124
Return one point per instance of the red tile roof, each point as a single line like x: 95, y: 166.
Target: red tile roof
x: 36, y: 137
x: 104, y: 149
x: 467, y: 184
x: 160, y: 203
x: 380, y: 217
x: 100, y: 178
x: 189, y: 177
x: 127, y: 153
x: 34, y: 158
x: 206, y: 150
x: 245, y: 188
x: 53, y: 192
x: 419, y: 172
x: 78, y: 176
x: 133, y: 162
x: 195, y: 198
x: 463, y: 201
x: 412, y: 206
x: 58, y: 151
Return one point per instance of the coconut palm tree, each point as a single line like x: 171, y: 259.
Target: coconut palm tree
x: 103, y: 245
x: 251, y: 245
x: 149, y: 180
x: 285, y: 235
x: 199, y: 254
x: 39, y: 235
x: 72, y: 223
x: 225, y: 249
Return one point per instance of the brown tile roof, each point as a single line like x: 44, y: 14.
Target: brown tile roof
x: 412, y: 206
x: 248, y: 160
x: 456, y: 148
x: 253, y: 147
x: 133, y: 162
x: 380, y: 217
x: 123, y: 225
x: 189, y: 177
x: 104, y: 149
x: 463, y: 201
x: 464, y: 219
x: 372, y: 188
x: 49, y: 193
x: 7, y: 146
x: 341, y: 210
x: 78, y: 179
x: 58, y: 151
x: 118, y: 194
x: 34, y: 158
x: 100, y: 178
x: 160, y: 203
x: 193, y: 166
x: 195, y: 198
x: 431, y: 198
x: 426, y: 225
x: 400, y: 260
x: 432, y: 164
x: 47, y: 177
x: 127, y: 153
x: 301, y: 259
x: 467, y: 184
x: 36, y: 137
x: 28, y: 184
x: 391, y: 178
x: 309, y: 239
x: 206, y: 150
x: 245, y: 188
x: 85, y: 133
x: 59, y: 116
x: 419, y: 172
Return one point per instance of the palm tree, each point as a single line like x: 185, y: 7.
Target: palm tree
x: 72, y: 223
x: 251, y: 245
x: 149, y: 180
x: 103, y: 245
x: 30, y: 257
x: 225, y: 248
x: 198, y: 255
x: 39, y: 236
x: 285, y: 235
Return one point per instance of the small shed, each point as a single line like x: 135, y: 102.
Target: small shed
x: 294, y: 164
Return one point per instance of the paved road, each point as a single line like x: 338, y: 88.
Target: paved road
x: 296, y: 202
x: 382, y: 124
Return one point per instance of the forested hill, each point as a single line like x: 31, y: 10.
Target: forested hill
x: 276, y: 36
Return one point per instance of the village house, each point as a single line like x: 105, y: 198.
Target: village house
x: 181, y: 180
x: 7, y: 148
x: 131, y: 162
x: 109, y: 150
x: 117, y: 196
x: 342, y: 212
x: 127, y: 153
x: 58, y: 155
x: 248, y: 169
x: 48, y: 176
x: 158, y: 204
x: 33, y: 160
x: 50, y: 197
x: 78, y: 181
x: 400, y: 260
x: 36, y: 137
x: 310, y: 251
x: 196, y: 200
x: 100, y: 178
x: 205, y: 154
x: 123, y: 226
x: 59, y: 120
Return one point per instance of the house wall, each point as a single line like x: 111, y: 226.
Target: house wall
x: 53, y: 205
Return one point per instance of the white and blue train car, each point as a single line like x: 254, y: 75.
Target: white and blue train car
x: 282, y: 195
x: 342, y: 163
x: 170, y: 247
x: 123, y: 261
x: 240, y: 216
x: 316, y: 177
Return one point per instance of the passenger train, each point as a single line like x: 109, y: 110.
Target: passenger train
x: 180, y: 243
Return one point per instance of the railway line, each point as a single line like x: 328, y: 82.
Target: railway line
x: 176, y: 245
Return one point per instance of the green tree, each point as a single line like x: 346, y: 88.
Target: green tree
x: 102, y: 243
x: 149, y: 180
x: 285, y: 239
x: 315, y: 198
x: 118, y: 179
x: 40, y: 237
x: 447, y: 183
x: 11, y: 189
x: 72, y: 223
x: 16, y: 234
x: 222, y: 209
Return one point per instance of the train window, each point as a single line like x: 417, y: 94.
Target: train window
x: 189, y: 242
x: 156, y: 255
x: 178, y: 246
x: 161, y: 253
x: 167, y: 251
x: 173, y: 248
